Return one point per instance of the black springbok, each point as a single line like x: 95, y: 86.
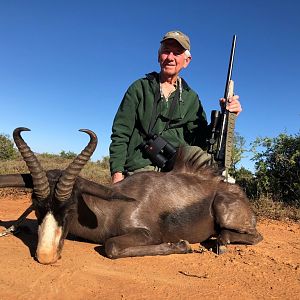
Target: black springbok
x: 148, y: 213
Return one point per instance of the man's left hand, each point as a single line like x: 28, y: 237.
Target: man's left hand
x: 233, y: 104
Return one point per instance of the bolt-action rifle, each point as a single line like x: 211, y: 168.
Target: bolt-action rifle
x: 222, y: 125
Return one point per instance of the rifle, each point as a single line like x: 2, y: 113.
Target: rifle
x: 220, y: 144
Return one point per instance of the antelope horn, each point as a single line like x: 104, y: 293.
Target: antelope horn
x: 40, y: 181
x: 65, y: 184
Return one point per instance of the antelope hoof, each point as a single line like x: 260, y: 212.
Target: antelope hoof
x: 221, y: 249
x: 185, y: 246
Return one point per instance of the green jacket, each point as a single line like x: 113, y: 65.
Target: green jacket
x: 187, y: 127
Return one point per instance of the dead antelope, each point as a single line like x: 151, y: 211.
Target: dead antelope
x: 148, y: 213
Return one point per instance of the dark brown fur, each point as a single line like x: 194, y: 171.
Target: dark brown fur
x: 150, y: 213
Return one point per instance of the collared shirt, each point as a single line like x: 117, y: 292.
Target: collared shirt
x: 188, y: 125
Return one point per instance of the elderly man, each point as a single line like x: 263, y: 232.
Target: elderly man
x: 160, y: 105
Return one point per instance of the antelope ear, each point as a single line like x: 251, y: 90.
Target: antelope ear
x: 105, y: 193
x: 16, y: 181
x: 86, y: 216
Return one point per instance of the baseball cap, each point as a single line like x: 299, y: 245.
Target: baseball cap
x: 180, y: 37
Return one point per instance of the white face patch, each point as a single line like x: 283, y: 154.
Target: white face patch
x: 49, y: 234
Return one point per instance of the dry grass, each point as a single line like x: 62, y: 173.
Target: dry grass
x: 267, y: 208
x: 92, y: 171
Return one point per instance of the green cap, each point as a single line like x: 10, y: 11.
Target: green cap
x: 180, y: 37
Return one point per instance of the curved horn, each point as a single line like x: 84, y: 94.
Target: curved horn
x: 65, y: 185
x: 40, y: 181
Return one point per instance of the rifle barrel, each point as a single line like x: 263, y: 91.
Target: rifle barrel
x: 230, y: 66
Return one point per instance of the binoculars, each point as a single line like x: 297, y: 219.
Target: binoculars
x: 158, y: 150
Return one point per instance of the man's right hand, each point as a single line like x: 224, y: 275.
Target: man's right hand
x: 116, y: 177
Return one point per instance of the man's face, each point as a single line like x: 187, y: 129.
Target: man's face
x: 172, y: 58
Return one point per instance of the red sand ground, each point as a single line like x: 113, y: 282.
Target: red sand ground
x: 270, y: 269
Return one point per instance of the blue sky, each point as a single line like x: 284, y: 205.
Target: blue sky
x: 65, y: 65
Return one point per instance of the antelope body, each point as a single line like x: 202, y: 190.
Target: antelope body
x: 148, y: 213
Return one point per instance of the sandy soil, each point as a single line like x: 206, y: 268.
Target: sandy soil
x: 270, y: 269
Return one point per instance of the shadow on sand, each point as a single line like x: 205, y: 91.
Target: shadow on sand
x: 27, y: 233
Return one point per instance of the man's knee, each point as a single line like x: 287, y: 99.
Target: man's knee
x: 146, y: 168
x: 197, y: 155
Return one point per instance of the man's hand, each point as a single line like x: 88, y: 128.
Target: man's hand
x: 116, y: 177
x: 234, y: 104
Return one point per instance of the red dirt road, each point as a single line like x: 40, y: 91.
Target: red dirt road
x: 270, y: 269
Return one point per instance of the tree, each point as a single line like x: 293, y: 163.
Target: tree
x: 277, y: 165
x: 7, y: 149
x: 237, y: 152
x: 104, y: 162
x: 67, y: 155
x: 247, y: 181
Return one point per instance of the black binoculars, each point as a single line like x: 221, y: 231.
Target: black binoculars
x: 158, y: 150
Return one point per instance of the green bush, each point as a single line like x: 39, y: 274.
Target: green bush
x: 67, y: 155
x: 247, y: 181
x: 277, y: 167
x: 7, y: 149
x: 104, y: 162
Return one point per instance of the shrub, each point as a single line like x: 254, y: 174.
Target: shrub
x: 278, y: 167
x: 7, y: 149
x: 67, y: 155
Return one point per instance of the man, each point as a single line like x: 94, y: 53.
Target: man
x: 160, y: 103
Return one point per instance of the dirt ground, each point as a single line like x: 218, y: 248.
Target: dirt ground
x: 269, y: 270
